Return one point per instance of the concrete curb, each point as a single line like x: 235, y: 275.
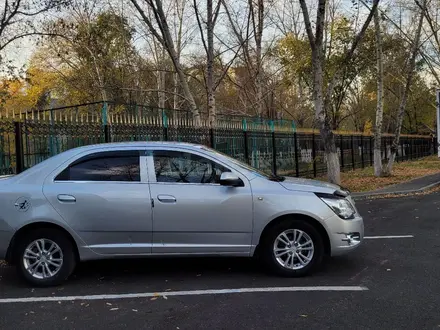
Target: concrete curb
x: 366, y: 195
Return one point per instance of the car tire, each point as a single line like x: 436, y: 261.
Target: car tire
x: 39, y: 242
x: 305, y: 258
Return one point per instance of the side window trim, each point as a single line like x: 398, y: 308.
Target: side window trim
x: 83, y: 157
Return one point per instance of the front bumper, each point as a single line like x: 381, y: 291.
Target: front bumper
x: 344, y: 235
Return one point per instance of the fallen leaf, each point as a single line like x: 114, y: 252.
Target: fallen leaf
x: 108, y: 304
x: 31, y: 312
x: 304, y: 315
x: 165, y: 297
x: 154, y: 298
x: 388, y: 270
x: 167, y: 290
x: 113, y: 309
x: 156, y: 294
x: 199, y: 275
x: 65, y: 318
x: 134, y: 310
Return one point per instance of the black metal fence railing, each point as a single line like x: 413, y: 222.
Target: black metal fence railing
x: 26, y: 142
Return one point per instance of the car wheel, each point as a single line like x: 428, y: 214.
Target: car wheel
x: 292, y: 248
x: 45, y: 257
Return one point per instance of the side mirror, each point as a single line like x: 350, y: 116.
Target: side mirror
x: 231, y: 180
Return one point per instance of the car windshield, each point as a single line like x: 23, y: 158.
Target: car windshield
x: 245, y: 166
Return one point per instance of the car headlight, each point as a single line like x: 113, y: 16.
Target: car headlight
x: 341, y: 206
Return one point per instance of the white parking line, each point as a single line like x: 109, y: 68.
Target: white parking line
x: 392, y: 236
x: 183, y: 293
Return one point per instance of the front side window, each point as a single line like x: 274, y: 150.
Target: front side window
x: 184, y: 167
x: 104, y: 166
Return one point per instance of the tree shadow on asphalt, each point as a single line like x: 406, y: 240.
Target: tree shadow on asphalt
x: 190, y: 267
x: 218, y: 269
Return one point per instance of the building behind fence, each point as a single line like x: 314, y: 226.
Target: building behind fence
x: 272, y: 146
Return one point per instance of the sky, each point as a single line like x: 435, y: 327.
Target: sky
x: 20, y: 51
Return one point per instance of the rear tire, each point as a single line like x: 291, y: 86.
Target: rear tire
x: 292, y: 248
x: 44, y: 257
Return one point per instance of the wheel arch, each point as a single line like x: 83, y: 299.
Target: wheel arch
x: 296, y: 216
x: 38, y: 225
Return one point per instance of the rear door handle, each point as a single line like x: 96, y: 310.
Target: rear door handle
x: 66, y: 198
x: 166, y: 198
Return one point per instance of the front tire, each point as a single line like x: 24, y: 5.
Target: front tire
x: 292, y: 248
x: 45, y: 257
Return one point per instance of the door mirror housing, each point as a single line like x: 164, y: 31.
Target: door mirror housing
x: 231, y: 180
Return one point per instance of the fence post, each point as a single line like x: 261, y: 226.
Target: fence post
x: 362, y: 150
x: 274, y: 150
x: 341, y: 147
x: 165, y: 125
x: 371, y: 151
x: 245, y: 137
x: 295, y: 141
x: 211, y: 137
x: 352, y: 152
x: 18, y: 147
x: 313, y: 155
x: 107, y: 134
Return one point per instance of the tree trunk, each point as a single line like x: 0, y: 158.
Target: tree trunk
x: 409, y: 78
x: 327, y: 136
x: 167, y: 42
x: 180, y: 8
x: 210, y: 65
x: 161, y: 89
x: 378, y: 169
x: 161, y: 76
x: 258, y: 30
x: 182, y: 78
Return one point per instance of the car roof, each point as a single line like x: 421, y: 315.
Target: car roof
x: 142, y: 144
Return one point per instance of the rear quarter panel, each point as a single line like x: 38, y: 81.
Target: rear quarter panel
x: 12, y: 218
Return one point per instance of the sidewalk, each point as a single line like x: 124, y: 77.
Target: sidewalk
x: 417, y: 185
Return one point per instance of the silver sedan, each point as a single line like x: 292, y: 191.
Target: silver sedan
x: 155, y: 199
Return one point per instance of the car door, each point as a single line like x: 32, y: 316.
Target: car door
x: 104, y: 197
x: 193, y: 213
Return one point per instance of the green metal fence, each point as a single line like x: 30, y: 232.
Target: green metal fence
x: 273, y: 146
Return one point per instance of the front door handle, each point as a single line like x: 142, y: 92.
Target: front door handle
x: 166, y: 198
x: 66, y: 198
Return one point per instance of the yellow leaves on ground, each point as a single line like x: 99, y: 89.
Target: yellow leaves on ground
x: 364, y: 180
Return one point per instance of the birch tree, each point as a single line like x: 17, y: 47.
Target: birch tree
x: 251, y: 39
x: 321, y: 98
x: 378, y: 169
x: 409, y: 79
x: 208, y: 45
x: 206, y: 26
x: 160, y: 29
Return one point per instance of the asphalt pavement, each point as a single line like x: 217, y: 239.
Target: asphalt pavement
x: 399, y: 277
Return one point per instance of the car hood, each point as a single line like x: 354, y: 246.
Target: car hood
x: 5, y: 177
x: 296, y: 184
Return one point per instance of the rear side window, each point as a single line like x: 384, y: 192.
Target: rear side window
x: 104, y: 166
